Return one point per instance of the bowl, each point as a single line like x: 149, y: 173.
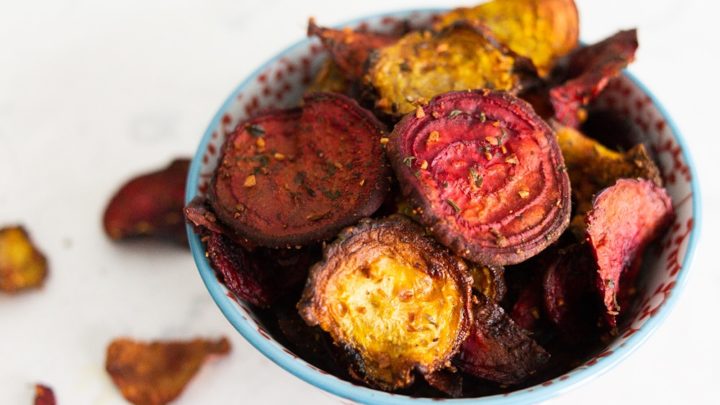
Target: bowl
x: 280, y: 82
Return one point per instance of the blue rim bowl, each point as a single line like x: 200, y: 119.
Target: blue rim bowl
x: 360, y: 394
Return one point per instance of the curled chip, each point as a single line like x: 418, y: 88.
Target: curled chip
x: 329, y: 79
x: 22, y: 265
x: 489, y: 281
x: 156, y: 373
x: 588, y: 72
x: 497, y: 349
x: 260, y: 277
x: 44, y: 395
x: 624, y: 219
x: 350, y: 49
x: 541, y: 30
x: 294, y: 177
x: 150, y: 205
x: 422, y: 65
x: 484, y: 171
x: 396, y: 300
x: 593, y: 167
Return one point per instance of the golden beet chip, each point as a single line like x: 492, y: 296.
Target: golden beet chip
x: 393, y: 297
x: 497, y: 349
x: 350, y: 49
x: 592, y: 167
x: 150, y: 205
x: 329, y: 79
x: 624, y: 219
x: 22, y: 265
x: 156, y: 373
x: 541, y: 30
x: 489, y: 281
x: 44, y: 395
x: 422, y: 65
x: 589, y: 71
x: 483, y: 170
x: 298, y: 176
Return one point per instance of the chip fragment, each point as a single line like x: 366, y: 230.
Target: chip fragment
x: 329, y: 79
x: 423, y: 64
x: 150, y: 205
x: 333, y: 173
x: 350, y: 49
x: 589, y: 71
x: 497, y: 349
x: 44, y: 395
x: 155, y: 373
x: 492, y: 190
x: 22, y: 265
x: 541, y: 30
x: 624, y: 219
x: 489, y: 281
x: 395, y: 299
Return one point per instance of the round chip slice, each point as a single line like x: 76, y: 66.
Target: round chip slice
x: 294, y: 177
x: 486, y: 173
x: 393, y: 297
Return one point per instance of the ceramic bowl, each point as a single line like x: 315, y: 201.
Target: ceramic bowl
x: 280, y: 83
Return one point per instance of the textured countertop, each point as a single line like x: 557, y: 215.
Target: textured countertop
x: 92, y: 92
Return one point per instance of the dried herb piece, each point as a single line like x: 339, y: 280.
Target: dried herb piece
x: 297, y: 201
x: 422, y: 65
x: 350, y: 49
x: 624, y: 219
x: 541, y: 30
x: 588, y: 72
x: 150, y: 205
x: 22, y: 265
x: 593, y: 167
x: 44, y: 395
x: 156, y: 373
x: 395, y: 299
x: 497, y: 349
x: 494, y: 224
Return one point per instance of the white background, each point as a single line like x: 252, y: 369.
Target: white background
x: 92, y: 92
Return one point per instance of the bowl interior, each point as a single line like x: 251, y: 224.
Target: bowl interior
x: 280, y: 83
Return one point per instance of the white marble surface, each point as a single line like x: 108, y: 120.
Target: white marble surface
x: 92, y: 92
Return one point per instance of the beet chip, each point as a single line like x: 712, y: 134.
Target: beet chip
x: 497, y: 349
x: 422, y: 65
x: 393, y: 297
x: 150, y: 205
x: 44, y: 395
x: 489, y: 281
x: 541, y: 30
x: 294, y: 177
x: 625, y: 218
x: 526, y: 310
x: 156, y: 373
x: 589, y: 71
x: 22, y: 265
x: 261, y: 277
x: 350, y: 49
x: 486, y: 174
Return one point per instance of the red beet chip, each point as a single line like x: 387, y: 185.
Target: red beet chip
x: 350, y: 49
x: 497, y: 349
x: 150, y: 205
x: 294, y: 177
x: 589, y: 71
x: 526, y: 310
x: 44, y: 395
x: 624, y: 219
x: 486, y: 173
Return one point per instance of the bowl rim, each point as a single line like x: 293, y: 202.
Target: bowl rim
x: 347, y: 389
